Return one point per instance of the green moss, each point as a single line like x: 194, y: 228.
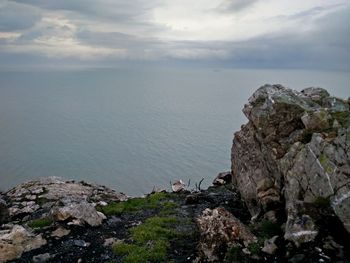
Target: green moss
x: 343, y: 117
x: 40, y: 223
x: 326, y: 164
x: 132, y: 205
x: 151, y: 241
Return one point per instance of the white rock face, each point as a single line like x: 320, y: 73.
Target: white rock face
x: 16, y: 241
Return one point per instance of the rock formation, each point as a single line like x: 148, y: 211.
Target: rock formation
x: 293, y: 152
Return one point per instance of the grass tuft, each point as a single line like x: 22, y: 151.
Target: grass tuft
x: 40, y: 223
x: 135, y: 204
x: 151, y: 241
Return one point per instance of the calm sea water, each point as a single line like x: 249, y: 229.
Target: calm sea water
x: 131, y: 129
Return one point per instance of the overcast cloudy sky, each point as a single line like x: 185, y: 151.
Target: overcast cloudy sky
x: 239, y: 33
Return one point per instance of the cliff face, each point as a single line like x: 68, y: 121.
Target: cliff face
x: 294, y: 154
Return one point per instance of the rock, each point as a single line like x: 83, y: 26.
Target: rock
x: 80, y: 243
x: 218, y: 228
x: 317, y: 95
x: 42, y: 258
x: 223, y: 178
x: 110, y: 241
x: 4, y: 212
x: 60, y: 232
x: 178, y: 186
x: 83, y: 211
x: 50, y: 191
x: 291, y: 153
x: 270, y: 246
x: 317, y: 120
x: 16, y: 241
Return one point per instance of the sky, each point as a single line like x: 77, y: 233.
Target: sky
x: 311, y: 34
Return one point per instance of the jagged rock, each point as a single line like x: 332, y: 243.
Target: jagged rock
x: 270, y: 246
x: 223, y: 178
x: 219, y: 228
x: 4, y: 213
x: 83, y: 211
x: 17, y: 240
x: 279, y: 149
x: 178, y: 186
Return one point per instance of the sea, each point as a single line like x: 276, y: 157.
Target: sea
x: 131, y: 129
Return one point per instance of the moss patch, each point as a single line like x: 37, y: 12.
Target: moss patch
x: 40, y: 223
x: 132, y: 205
x: 150, y: 241
x: 343, y: 117
x: 326, y: 164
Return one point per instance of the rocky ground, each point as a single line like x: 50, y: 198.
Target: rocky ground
x: 287, y: 199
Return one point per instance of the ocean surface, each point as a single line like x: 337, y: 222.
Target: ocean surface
x: 131, y: 129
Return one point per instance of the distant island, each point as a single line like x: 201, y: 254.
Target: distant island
x: 286, y: 199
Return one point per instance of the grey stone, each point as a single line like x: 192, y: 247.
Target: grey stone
x: 41, y: 258
x: 269, y: 246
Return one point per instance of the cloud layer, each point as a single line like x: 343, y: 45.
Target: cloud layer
x: 250, y: 33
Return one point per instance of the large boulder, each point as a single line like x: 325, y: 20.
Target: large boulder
x: 294, y: 151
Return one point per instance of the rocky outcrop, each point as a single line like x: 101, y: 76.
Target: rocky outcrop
x: 294, y: 151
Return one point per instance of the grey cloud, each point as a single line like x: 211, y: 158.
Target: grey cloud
x: 15, y: 16
x: 117, y: 10
x: 235, y: 5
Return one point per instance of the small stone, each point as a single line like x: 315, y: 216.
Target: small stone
x: 80, y: 243
x: 102, y: 203
x: 270, y: 246
x: 223, y: 178
x: 178, y: 186
x: 41, y: 258
x: 110, y: 241
x: 60, y: 232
